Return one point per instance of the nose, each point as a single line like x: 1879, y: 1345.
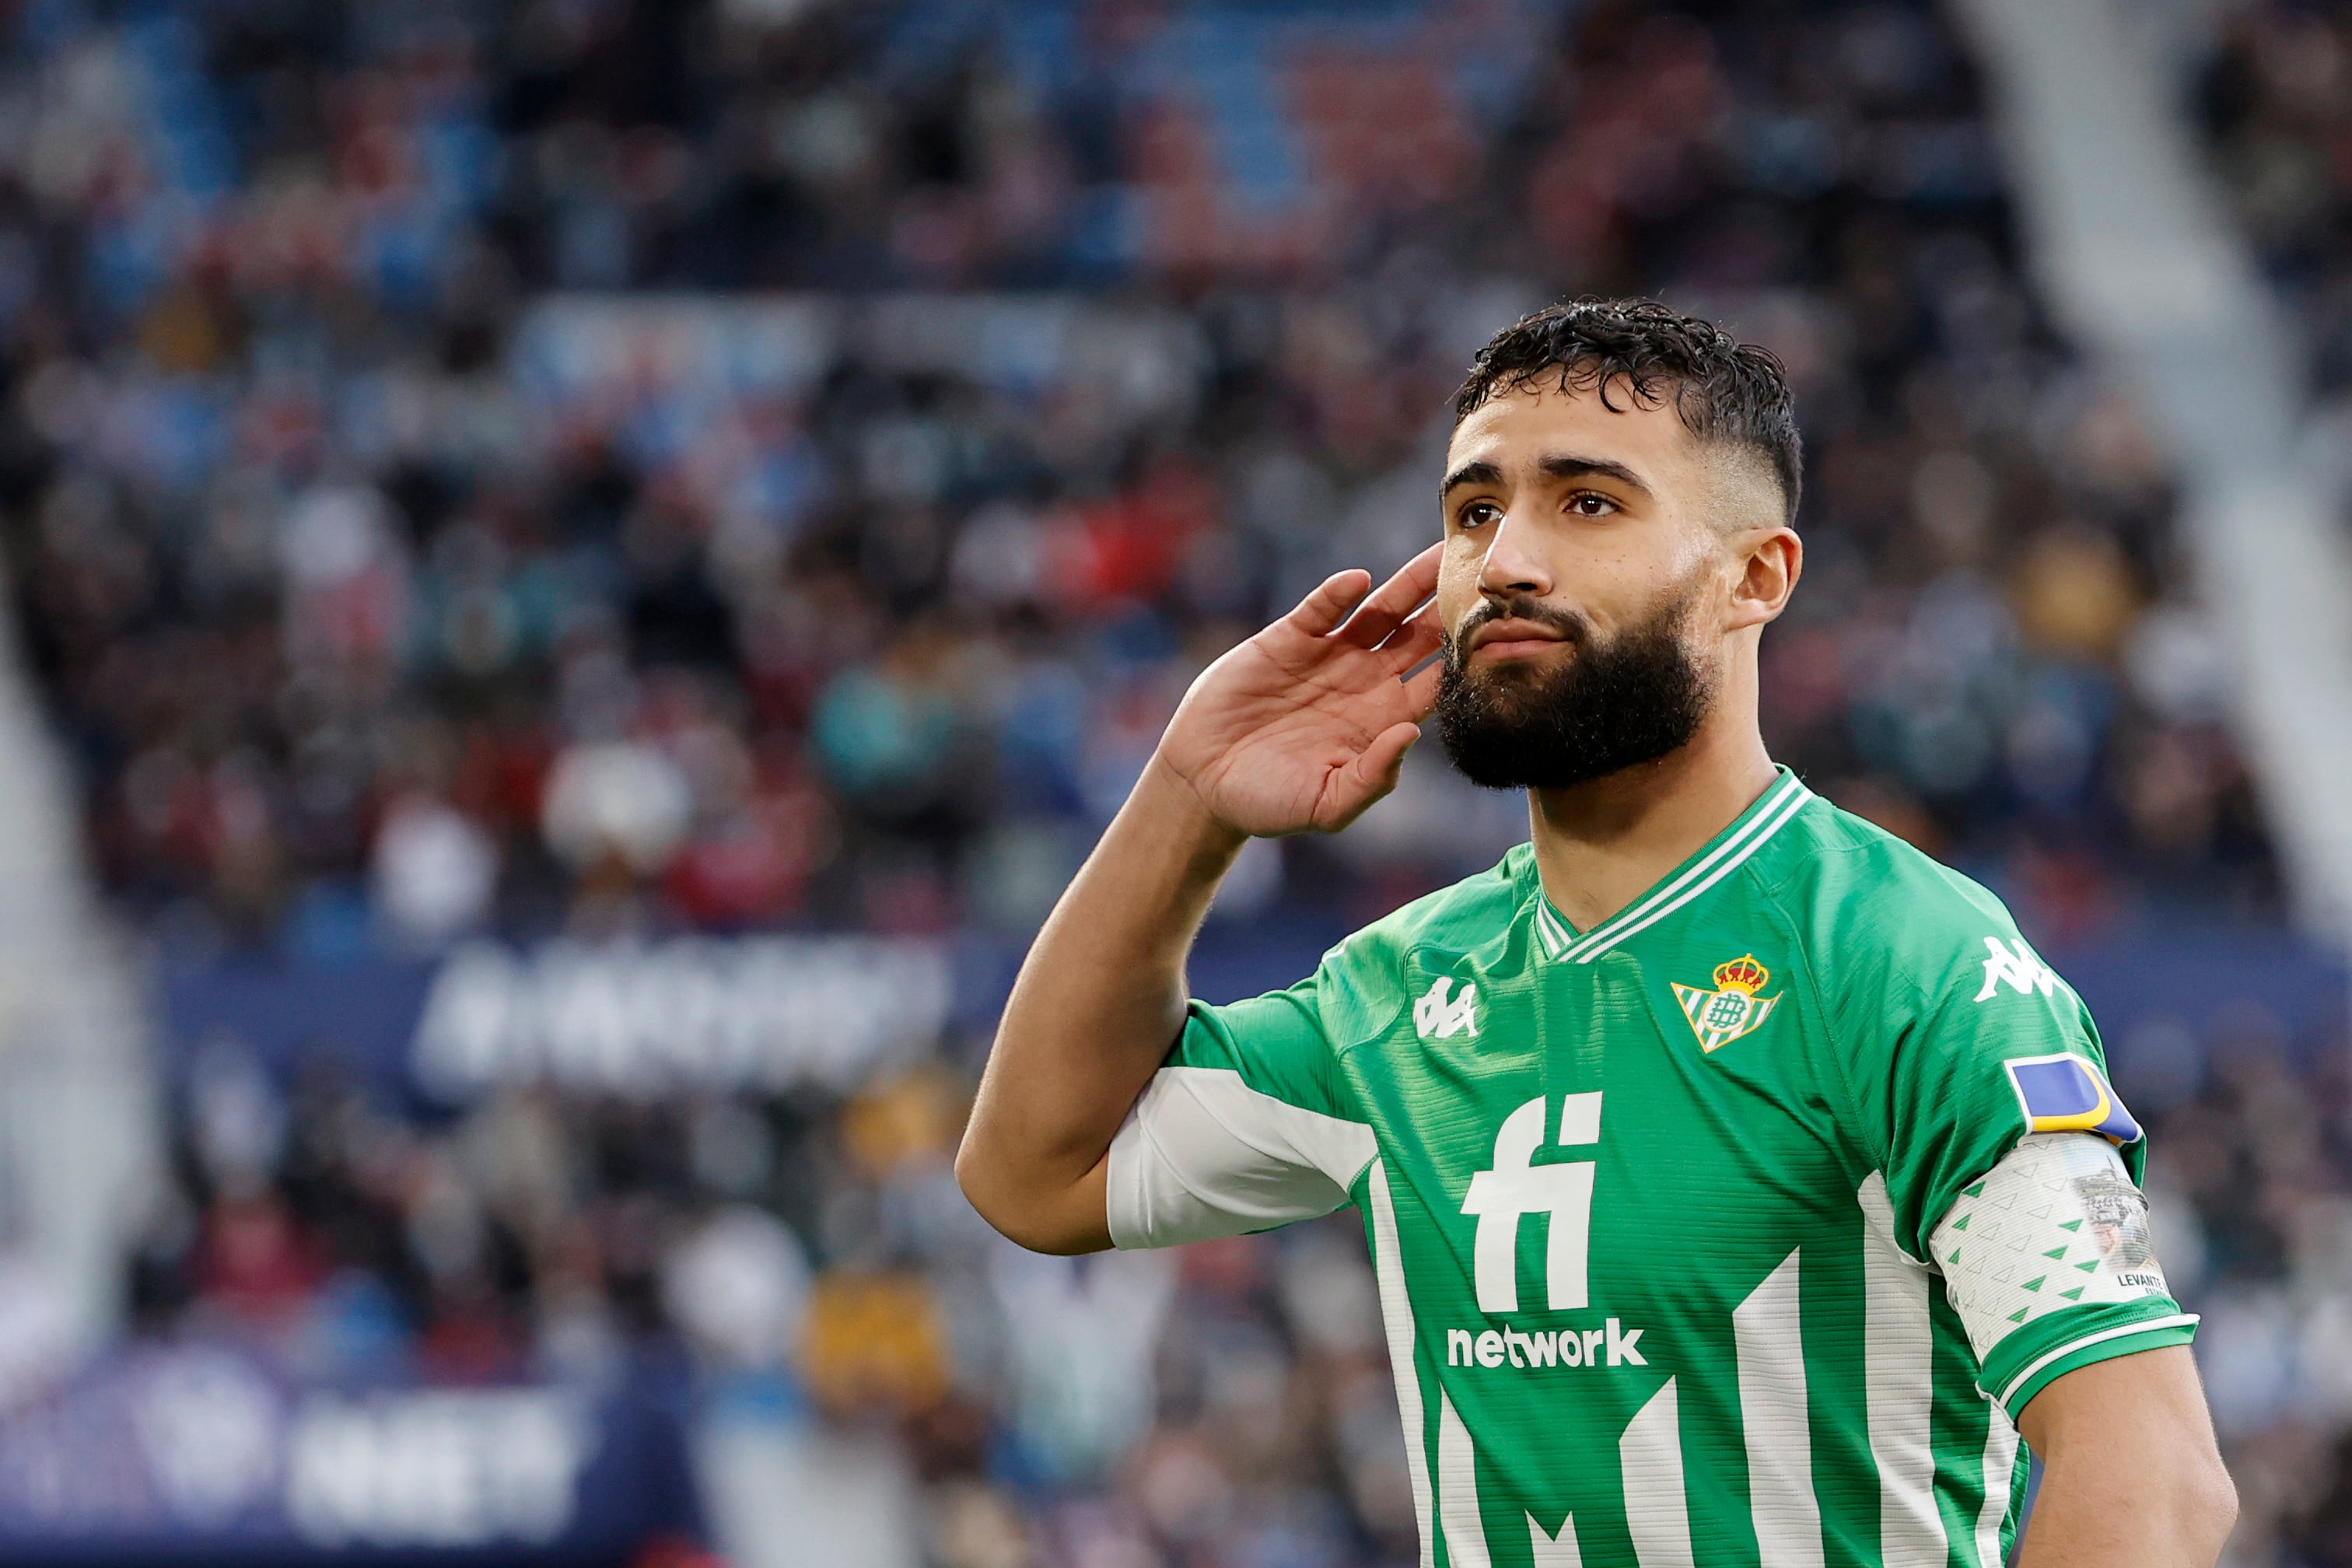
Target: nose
x: 1511, y: 564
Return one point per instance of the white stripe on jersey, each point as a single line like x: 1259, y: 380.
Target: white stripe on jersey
x: 1767, y: 1332
x: 1396, y: 1316
x: 2000, y: 1463
x: 1555, y: 1551
x: 1649, y: 1459
x: 1457, y: 1490
x: 1898, y: 1386
x: 1550, y: 929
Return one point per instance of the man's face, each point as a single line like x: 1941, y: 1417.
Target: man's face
x: 1584, y: 584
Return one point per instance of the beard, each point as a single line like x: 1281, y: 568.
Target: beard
x: 1607, y: 707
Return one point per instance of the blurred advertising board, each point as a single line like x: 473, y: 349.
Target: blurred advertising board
x: 196, y: 1451
x: 763, y: 1014
x: 768, y: 1014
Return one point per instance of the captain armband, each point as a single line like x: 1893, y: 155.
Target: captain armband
x: 2057, y: 1225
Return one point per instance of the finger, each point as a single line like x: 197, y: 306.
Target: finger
x: 1421, y: 692
x: 1322, y: 611
x: 1395, y: 599
x: 1421, y: 636
x: 1375, y: 770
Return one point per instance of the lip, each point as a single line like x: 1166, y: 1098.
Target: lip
x: 1513, y: 639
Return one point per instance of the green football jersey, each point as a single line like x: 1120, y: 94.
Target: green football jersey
x: 1735, y: 1230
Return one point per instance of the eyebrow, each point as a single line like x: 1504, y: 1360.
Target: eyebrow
x: 1556, y: 465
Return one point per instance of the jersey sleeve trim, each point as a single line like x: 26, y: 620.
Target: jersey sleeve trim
x: 2106, y: 1344
x: 1203, y: 1154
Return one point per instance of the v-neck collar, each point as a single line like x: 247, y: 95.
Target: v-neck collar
x: 1713, y: 860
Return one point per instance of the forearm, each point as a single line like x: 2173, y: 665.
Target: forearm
x: 2130, y: 1478
x: 1298, y: 729
x: 1097, y: 1003
x: 2090, y: 1515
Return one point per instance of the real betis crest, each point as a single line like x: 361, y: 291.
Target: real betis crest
x: 1721, y: 1015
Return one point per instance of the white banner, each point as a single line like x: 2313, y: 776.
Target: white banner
x: 764, y: 1013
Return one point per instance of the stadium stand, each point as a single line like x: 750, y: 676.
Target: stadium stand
x: 724, y: 496
x: 2269, y: 96
x: 2270, y: 99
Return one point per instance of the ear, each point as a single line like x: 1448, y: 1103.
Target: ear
x: 1769, y: 561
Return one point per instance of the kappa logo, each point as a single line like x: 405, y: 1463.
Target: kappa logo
x: 2014, y: 965
x: 1434, y: 1017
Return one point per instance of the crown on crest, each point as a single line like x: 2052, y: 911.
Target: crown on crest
x: 1742, y: 975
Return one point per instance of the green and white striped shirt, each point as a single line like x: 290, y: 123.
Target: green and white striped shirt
x: 1736, y: 1230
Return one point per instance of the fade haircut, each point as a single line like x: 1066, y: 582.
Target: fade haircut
x: 1727, y: 392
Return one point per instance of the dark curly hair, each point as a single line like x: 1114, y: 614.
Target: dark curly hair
x: 1724, y: 390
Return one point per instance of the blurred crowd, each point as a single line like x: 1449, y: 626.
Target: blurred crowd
x: 361, y: 636
x: 616, y: 468
x: 2275, y: 98
x: 2265, y: 1150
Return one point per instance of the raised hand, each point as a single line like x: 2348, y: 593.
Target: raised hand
x: 1307, y: 724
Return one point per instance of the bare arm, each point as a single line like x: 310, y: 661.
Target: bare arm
x: 2131, y: 1477
x: 1299, y: 729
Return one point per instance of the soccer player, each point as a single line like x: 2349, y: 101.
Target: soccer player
x: 1738, y: 1182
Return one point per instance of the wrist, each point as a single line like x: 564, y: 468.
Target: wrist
x: 1174, y: 808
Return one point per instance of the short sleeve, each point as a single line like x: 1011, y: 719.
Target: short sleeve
x: 1247, y: 1126
x: 1957, y: 1047
x: 1980, y: 1092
